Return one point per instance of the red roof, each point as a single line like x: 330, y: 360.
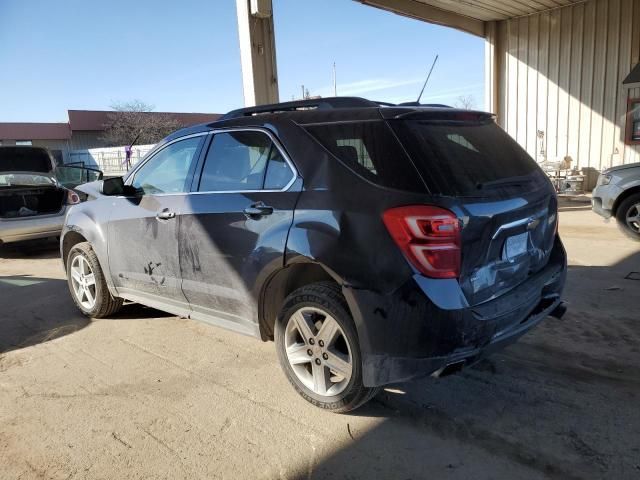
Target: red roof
x: 98, y: 119
x: 85, y: 120
x: 34, y: 131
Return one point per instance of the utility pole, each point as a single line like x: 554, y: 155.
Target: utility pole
x: 302, y: 86
x: 335, y: 85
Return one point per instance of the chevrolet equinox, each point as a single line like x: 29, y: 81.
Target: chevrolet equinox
x: 374, y: 243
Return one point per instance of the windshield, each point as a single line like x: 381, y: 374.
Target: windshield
x: 24, y: 159
x: 464, y: 158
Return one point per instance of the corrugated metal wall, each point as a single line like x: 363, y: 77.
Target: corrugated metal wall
x: 560, y: 74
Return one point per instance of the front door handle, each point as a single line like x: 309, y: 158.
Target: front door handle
x: 165, y: 214
x: 258, y: 210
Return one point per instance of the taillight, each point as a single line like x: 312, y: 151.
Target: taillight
x: 428, y: 236
x: 72, y: 197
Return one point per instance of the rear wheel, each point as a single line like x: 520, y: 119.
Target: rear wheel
x: 628, y: 216
x: 318, y: 349
x: 87, y: 284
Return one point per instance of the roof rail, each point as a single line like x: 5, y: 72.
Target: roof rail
x: 316, y: 103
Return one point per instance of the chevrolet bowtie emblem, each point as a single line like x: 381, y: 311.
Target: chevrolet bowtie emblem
x: 533, y: 224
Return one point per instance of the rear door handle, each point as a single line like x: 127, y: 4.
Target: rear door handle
x: 258, y: 210
x: 165, y: 214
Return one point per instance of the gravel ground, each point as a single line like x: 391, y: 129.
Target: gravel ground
x: 147, y: 395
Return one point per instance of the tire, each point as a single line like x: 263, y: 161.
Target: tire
x: 630, y: 207
x: 311, y: 308
x: 83, y: 259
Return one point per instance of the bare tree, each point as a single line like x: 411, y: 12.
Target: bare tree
x: 466, y: 102
x: 135, y: 121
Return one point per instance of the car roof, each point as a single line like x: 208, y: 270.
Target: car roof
x: 324, y: 110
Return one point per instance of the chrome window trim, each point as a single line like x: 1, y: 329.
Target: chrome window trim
x: 272, y: 137
x: 277, y: 144
x: 132, y: 175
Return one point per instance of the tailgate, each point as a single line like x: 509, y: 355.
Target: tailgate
x: 505, y: 202
x: 504, y: 242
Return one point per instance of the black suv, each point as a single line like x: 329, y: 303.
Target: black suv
x: 374, y: 243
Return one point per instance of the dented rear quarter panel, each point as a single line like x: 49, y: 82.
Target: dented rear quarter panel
x: 398, y: 312
x: 333, y: 218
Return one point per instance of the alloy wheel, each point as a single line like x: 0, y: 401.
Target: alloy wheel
x: 318, y: 351
x: 83, y: 282
x: 632, y: 218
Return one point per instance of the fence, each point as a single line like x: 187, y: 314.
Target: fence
x: 111, y: 160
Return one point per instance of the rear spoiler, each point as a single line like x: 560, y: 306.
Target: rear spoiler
x: 448, y: 115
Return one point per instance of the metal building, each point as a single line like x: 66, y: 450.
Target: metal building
x: 558, y: 72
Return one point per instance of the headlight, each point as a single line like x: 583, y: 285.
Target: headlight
x: 604, y: 179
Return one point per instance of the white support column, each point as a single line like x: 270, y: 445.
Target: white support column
x: 257, y: 52
x: 495, y: 77
x: 490, y: 67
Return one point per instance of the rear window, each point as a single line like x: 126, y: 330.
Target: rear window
x: 24, y: 159
x: 462, y: 159
x: 371, y: 150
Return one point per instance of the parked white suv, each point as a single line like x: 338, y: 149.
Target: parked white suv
x: 617, y: 194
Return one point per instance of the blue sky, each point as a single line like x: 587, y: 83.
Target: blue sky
x: 184, y: 56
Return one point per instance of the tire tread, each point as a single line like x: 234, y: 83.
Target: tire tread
x: 329, y: 296
x: 106, y: 304
x: 621, y: 213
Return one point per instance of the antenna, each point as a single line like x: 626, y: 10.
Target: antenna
x: 427, y: 80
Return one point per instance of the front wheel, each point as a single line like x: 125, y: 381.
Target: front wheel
x: 628, y: 217
x: 87, y: 284
x: 318, y: 349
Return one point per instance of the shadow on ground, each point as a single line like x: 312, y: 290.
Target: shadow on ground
x: 561, y: 403
x: 35, y: 310
x: 33, y: 249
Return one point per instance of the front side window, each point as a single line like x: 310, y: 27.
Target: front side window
x: 243, y: 161
x: 633, y: 119
x: 167, y: 170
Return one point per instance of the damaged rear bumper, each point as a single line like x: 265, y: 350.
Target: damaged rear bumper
x: 405, y: 335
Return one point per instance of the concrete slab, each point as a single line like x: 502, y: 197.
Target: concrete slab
x: 147, y: 395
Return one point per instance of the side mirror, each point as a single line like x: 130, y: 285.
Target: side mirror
x: 115, y: 186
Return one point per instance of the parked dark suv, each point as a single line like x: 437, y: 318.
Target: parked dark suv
x: 373, y: 243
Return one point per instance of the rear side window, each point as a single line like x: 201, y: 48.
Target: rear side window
x: 371, y: 150
x: 463, y: 159
x: 241, y: 161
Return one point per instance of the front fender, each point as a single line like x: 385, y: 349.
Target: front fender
x: 629, y: 182
x: 83, y: 220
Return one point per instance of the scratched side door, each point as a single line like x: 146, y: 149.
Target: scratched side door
x: 143, y: 229
x: 234, y: 230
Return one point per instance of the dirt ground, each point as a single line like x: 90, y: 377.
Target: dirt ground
x: 146, y: 395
